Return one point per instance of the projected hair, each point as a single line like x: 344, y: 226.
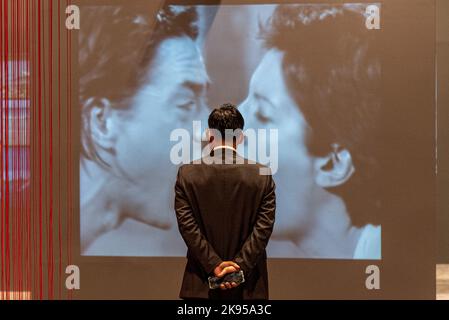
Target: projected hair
x: 116, y: 46
x: 333, y: 73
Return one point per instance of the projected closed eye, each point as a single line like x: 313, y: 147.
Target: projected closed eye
x: 191, y: 96
x: 264, y: 109
x: 187, y: 106
x: 262, y: 117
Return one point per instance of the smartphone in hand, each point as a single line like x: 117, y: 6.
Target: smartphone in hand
x: 237, y: 277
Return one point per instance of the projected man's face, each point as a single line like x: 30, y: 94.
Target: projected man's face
x: 172, y: 98
x: 269, y: 105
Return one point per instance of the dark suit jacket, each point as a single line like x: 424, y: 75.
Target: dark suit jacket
x: 225, y: 212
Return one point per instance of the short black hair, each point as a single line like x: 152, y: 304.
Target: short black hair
x: 227, y: 116
x: 335, y: 79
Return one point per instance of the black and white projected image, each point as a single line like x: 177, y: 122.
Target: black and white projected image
x: 310, y: 71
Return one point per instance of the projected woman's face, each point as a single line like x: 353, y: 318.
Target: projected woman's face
x: 269, y: 105
x: 172, y: 98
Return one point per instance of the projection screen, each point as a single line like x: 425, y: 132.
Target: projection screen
x: 306, y: 77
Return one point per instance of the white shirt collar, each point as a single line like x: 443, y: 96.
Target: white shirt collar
x: 224, y: 147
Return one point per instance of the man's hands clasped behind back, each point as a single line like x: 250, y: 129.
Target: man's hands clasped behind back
x: 224, y: 268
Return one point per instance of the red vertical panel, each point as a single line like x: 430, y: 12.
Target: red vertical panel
x: 59, y: 149
x: 5, y: 134
x: 2, y: 100
x: 35, y: 232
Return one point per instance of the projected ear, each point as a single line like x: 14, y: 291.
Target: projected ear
x: 335, y: 168
x: 213, y: 136
x: 209, y: 136
x: 240, y: 137
x: 102, y: 124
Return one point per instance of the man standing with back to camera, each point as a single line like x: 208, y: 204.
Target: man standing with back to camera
x: 225, y: 207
